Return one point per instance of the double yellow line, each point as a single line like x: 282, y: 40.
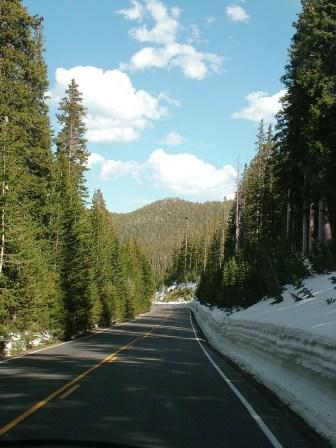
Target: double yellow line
x: 69, y: 387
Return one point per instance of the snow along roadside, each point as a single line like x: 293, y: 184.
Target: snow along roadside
x: 298, y: 366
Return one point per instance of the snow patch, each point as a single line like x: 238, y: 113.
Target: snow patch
x: 175, y: 293
x: 21, y: 342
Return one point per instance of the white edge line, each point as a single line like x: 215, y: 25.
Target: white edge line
x: 256, y: 417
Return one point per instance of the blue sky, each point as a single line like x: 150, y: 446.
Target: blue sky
x: 174, y: 88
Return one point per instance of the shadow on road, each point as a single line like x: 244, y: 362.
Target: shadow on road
x: 159, y: 392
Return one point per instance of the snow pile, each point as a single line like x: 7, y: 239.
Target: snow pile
x: 21, y: 342
x: 176, y: 293
x: 288, y: 346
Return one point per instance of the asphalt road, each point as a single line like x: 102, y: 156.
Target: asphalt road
x: 152, y: 382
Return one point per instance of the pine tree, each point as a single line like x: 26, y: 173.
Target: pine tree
x: 210, y: 280
x: 103, y: 243
x: 136, y: 280
x: 119, y: 282
x: 72, y: 230
x: 30, y: 296
x: 306, y: 133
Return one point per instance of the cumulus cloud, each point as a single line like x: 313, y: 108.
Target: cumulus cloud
x: 173, y: 139
x: 136, y: 12
x: 260, y: 105
x: 193, y: 64
x: 117, y: 168
x: 186, y: 174
x: 183, y: 174
x: 114, y: 169
x: 237, y: 13
x: 95, y: 159
x: 165, y: 28
x: 117, y: 111
x: 165, y: 50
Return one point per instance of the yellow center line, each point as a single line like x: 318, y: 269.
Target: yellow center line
x: 68, y: 392
x: 62, y: 390
x: 149, y: 332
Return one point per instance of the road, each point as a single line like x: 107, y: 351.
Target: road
x: 151, y: 382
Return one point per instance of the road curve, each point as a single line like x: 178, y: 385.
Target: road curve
x: 151, y: 382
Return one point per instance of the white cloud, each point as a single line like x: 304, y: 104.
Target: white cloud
x: 186, y: 174
x: 164, y: 96
x: 176, y: 11
x: 195, y: 34
x: 193, y: 64
x: 95, y: 159
x: 260, y: 105
x: 210, y: 20
x: 237, y: 13
x: 117, y: 168
x: 134, y: 13
x: 117, y: 112
x: 114, y: 169
x: 183, y: 174
x: 173, y: 139
x: 166, y: 51
x: 165, y: 28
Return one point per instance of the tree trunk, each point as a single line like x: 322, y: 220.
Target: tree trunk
x: 289, y: 216
x: 221, y: 255
x: 2, y: 252
x: 205, y: 256
x: 237, y: 209
x: 3, y: 210
x: 70, y: 150
x: 57, y: 233
x: 311, y: 228
x: 327, y: 226
x: 237, y: 222
x: 321, y: 222
x: 305, y: 230
x: 186, y: 246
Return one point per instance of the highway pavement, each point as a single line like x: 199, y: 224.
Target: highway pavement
x: 151, y: 382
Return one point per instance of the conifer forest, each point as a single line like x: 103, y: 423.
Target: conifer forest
x: 62, y: 268
x: 67, y: 264
x: 284, y: 219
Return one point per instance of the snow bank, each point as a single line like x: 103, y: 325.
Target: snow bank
x: 186, y: 290
x: 21, y: 342
x: 172, y: 302
x: 289, y: 346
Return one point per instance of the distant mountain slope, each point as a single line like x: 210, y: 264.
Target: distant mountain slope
x: 160, y: 227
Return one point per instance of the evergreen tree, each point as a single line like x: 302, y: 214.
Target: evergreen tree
x: 103, y: 244
x: 72, y: 233
x: 30, y: 296
x: 137, y: 280
x: 257, y: 267
x: 187, y: 261
x: 210, y: 281
x: 306, y: 131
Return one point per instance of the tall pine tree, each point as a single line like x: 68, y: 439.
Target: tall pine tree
x: 72, y: 231
x: 29, y: 292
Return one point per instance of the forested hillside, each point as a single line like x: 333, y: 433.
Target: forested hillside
x: 62, y: 268
x: 160, y: 228
x: 284, y: 221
